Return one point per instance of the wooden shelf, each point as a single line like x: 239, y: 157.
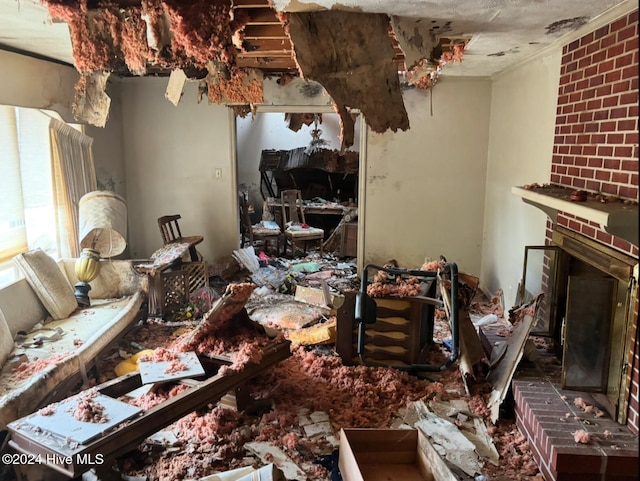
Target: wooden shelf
x: 616, y: 218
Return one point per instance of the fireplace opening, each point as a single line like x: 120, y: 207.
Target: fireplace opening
x: 585, y: 334
x: 587, y: 297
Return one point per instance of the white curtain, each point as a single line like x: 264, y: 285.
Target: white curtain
x: 13, y: 234
x: 73, y: 176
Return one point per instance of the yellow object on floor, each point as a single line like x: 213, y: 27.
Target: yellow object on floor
x: 131, y: 364
x: 317, y: 334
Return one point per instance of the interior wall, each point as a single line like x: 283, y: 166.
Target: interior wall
x: 425, y: 187
x: 523, y: 109
x: 171, y: 156
x: 268, y: 130
x: 108, y: 152
x: 29, y: 82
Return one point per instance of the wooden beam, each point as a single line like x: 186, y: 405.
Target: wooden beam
x: 251, y: 3
x: 267, y: 63
x: 266, y: 45
x: 264, y: 31
x: 261, y: 16
x: 129, y: 435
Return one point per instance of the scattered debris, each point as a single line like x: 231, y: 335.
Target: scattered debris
x: 582, y: 436
x: 446, y: 438
x: 88, y: 410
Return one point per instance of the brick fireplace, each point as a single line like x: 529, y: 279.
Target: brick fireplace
x: 596, y: 246
x: 596, y: 140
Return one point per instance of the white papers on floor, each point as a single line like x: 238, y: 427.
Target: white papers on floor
x: 267, y: 452
x: 265, y: 473
x: 451, y: 443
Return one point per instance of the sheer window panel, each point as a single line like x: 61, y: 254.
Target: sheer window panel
x: 13, y: 236
x: 35, y: 163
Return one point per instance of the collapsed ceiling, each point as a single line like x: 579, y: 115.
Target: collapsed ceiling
x: 360, y: 51
x: 355, y: 56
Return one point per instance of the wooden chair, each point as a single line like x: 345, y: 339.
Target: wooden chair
x: 257, y: 235
x: 296, y: 230
x: 170, y: 231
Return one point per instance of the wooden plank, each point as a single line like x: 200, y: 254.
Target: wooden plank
x: 266, y: 44
x: 267, y: 63
x: 271, y: 54
x: 345, y: 324
x: 264, y: 31
x: 127, y: 437
x: 251, y: 3
x: 261, y: 16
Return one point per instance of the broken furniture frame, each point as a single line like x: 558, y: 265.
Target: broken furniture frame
x: 366, y: 311
x: 74, y: 459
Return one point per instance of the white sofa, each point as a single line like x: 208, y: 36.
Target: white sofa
x: 117, y: 295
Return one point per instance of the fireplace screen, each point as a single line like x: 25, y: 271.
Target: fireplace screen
x: 587, y: 332
x: 539, y: 278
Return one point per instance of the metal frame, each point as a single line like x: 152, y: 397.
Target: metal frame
x: 365, y: 312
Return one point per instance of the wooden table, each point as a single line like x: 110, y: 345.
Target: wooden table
x: 311, y: 208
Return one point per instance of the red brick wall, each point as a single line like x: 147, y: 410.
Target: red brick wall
x: 596, y: 135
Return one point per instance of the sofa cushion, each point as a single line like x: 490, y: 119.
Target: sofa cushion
x: 48, y: 282
x: 38, y: 379
x: 6, y: 340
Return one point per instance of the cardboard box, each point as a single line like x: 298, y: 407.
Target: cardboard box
x: 390, y: 455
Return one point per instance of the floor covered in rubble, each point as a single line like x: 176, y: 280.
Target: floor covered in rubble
x: 297, y: 408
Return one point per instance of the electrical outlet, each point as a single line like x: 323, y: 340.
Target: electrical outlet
x: 218, y: 173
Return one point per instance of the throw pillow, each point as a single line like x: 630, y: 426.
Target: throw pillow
x: 48, y: 282
x: 6, y: 341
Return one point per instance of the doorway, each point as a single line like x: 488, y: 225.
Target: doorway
x: 275, y: 151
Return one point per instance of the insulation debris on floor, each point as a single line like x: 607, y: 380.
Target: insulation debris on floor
x: 296, y: 409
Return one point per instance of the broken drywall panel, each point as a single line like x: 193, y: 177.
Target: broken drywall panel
x: 296, y: 91
x: 484, y: 443
x: 471, y: 351
x: 334, y: 48
x: 272, y: 454
x: 415, y: 38
x: 248, y: 473
x: 503, y: 371
x: 469, y: 424
x: 175, y: 86
x: 91, y: 103
x: 446, y: 438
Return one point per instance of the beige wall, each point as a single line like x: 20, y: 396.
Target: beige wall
x: 171, y: 154
x: 425, y: 187
x: 28, y: 82
x: 523, y: 108
x: 108, y: 151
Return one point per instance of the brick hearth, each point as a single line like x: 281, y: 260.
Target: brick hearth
x: 548, y: 417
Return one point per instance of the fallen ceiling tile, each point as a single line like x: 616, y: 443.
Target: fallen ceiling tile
x: 91, y: 103
x: 334, y: 48
x: 175, y: 86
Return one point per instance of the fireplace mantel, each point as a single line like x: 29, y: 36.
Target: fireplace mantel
x: 616, y: 218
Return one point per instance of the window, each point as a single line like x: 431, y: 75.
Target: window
x: 27, y: 217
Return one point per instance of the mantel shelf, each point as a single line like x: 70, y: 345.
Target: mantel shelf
x: 616, y: 218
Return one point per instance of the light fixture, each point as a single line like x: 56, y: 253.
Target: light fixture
x: 102, y: 231
x: 317, y: 142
